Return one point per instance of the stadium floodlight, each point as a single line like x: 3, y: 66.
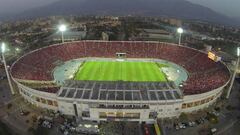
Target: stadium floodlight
x: 17, y: 49
x: 62, y: 28
x: 234, y: 74
x: 238, y: 51
x: 180, y: 31
x: 3, y: 49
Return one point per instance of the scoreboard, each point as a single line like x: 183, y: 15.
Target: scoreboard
x: 213, y: 57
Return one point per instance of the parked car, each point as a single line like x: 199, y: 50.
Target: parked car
x: 213, y: 130
x: 198, y: 122
x: 181, y: 126
x: 185, y: 124
x: 24, y: 113
x: 46, y: 124
x: 215, y: 113
x: 191, y: 123
x: 176, y: 126
x: 202, y: 120
x: 146, y: 130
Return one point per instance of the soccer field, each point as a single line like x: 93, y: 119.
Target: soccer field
x: 120, y: 71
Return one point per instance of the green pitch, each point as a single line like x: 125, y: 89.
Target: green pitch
x: 120, y: 70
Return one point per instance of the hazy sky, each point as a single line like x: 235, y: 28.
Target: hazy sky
x: 227, y: 7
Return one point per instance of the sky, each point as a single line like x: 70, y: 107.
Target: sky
x: 13, y: 6
x: 227, y: 7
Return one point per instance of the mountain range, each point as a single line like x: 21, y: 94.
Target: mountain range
x: 171, y: 8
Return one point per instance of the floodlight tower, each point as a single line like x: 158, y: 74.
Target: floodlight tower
x: 180, y: 31
x: 62, y: 28
x: 17, y: 49
x: 234, y: 74
x: 3, y: 49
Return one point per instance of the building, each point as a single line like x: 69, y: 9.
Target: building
x: 68, y: 36
x: 105, y: 36
x: 155, y: 34
x: 34, y: 72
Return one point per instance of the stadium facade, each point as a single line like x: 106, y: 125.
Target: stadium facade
x: 34, y: 76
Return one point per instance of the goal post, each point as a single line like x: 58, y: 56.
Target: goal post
x: 121, y: 55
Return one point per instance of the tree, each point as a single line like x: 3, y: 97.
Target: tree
x: 183, y: 117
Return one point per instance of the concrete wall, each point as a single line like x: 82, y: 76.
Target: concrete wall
x: 164, y: 109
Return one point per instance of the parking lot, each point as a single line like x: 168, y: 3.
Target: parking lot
x: 221, y: 120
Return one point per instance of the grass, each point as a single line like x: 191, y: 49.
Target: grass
x: 120, y: 71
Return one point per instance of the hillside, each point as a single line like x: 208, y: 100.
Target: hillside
x: 173, y: 8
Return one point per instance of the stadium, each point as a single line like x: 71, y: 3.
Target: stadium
x: 120, y: 80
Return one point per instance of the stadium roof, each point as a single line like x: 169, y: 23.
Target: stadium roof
x: 126, y: 91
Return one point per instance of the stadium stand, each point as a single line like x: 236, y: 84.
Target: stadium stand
x: 39, y: 64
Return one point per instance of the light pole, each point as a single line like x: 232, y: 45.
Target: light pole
x: 3, y: 48
x: 234, y: 73
x: 17, y: 49
x: 62, y: 28
x: 180, y: 31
